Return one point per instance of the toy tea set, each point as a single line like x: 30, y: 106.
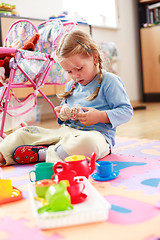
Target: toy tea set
x: 59, y: 195
x: 65, y: 196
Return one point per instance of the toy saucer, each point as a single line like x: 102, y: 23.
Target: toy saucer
x: 16, y: 195
x: 79, y: 199
x: 96, y: 177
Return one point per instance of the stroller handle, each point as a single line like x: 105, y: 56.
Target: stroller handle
x: 7, y: 50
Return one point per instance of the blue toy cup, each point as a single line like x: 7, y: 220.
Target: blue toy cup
x: 104, y: 168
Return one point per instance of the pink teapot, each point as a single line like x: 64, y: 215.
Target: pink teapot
x: 77, y: 163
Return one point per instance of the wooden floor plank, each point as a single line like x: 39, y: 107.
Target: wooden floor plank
x: 144, y: 124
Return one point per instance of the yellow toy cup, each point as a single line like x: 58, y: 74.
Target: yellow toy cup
x: 6, y: 188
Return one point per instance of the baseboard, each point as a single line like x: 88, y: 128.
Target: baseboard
x: 151, y: 97
x: 137, y: 105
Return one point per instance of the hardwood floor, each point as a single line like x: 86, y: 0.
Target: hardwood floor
x: 144, y: 124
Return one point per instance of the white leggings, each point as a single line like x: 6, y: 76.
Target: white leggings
x: 62, y: 142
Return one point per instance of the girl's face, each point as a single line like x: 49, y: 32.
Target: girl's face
x: 81, y: 69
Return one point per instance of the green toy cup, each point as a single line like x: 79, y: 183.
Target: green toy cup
x: 42, y: 171
x: 58, y: 197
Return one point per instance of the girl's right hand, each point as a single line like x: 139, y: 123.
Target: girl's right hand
x: 60, y: 113
x: 58, y: 110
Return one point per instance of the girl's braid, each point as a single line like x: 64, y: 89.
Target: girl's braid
x: 64, y: 95
x: 95, y: 93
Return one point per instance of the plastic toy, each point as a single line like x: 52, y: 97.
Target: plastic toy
x: 7, y: 6
x: 58, y: 199
x: 8, y: 193
x: 30, y: 69
x: 42, y: 171
x: 74, y: 187
x: 67, y: 175
x: 104, y: 168
x: 76, y: 192
x: 2, y: 73
x: 104, y: 171
x: 96, y: 177
x: 79, y: 164
x: 29, y: 45
x: 5, y: 188
x: 42, y: 186
x: 94, y: 209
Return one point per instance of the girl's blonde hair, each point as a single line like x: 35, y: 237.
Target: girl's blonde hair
x: 78, y: 42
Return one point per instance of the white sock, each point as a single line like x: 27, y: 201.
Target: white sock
x: 42, y: 155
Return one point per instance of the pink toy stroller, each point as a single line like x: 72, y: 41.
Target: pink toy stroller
x: 30, y: 69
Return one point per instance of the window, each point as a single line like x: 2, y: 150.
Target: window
x: 99, y: 13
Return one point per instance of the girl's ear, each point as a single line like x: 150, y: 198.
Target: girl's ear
x: 95, y: 59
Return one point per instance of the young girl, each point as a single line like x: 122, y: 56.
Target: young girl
x: 99, y: 95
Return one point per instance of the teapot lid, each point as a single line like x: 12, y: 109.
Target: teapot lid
x: 75, y: 158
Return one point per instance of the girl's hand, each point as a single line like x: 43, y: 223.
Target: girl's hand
x: 92, y: 116
x: 58, y: 109
x: 63, y: 112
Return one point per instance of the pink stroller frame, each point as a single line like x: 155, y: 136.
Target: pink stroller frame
x: 31, y: 69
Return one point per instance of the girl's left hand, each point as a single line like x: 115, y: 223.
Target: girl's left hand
x: 91, y: 116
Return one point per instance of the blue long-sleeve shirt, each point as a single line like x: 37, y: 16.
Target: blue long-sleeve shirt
x: 111, y: 98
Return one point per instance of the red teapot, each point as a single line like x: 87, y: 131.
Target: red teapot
x: 78, y: 163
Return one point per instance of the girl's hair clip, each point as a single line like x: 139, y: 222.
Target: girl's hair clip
x: 84, y: 46
x: 98, y: 85
x: 74, y: 85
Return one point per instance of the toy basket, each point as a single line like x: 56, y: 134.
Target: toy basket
x: 94, y: 209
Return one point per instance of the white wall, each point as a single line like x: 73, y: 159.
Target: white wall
x: 41, y: 9
x: 126, y: 37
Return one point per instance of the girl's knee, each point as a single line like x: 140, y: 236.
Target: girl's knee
x: 75, y: 144
x: 78, y: 139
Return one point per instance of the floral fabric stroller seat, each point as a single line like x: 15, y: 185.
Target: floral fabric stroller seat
x: 30, y: 69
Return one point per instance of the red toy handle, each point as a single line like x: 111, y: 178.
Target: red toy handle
x: 62, y: 164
